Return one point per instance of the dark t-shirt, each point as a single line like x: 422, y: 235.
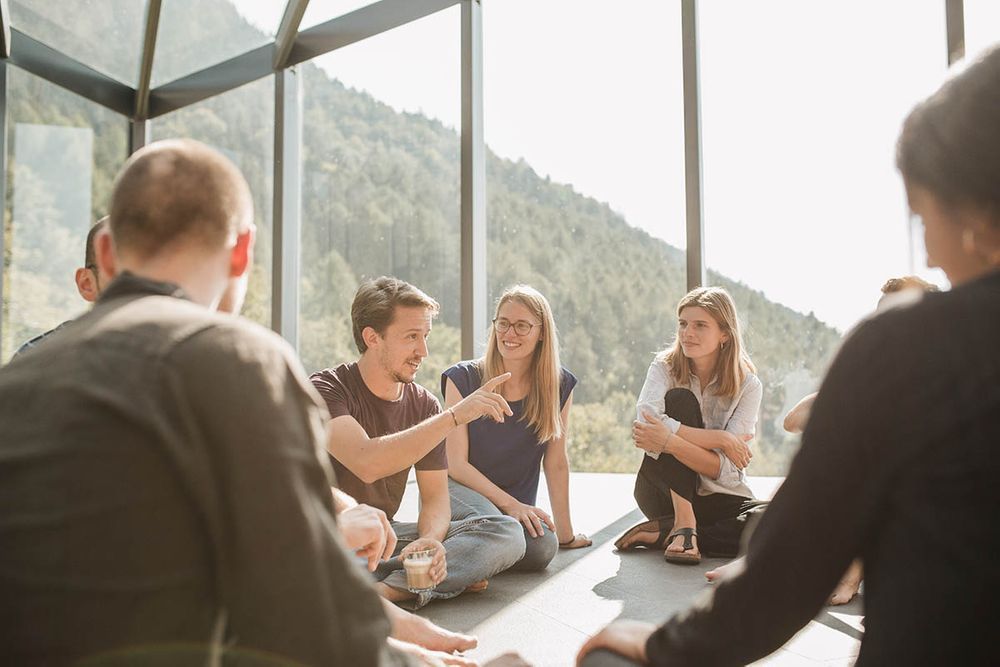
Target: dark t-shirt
x: 346, y: 393
x: 508, y: 453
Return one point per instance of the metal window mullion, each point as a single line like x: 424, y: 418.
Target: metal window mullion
x: 284, y: 40
x: 286, y: 221
x: 337, y: 33
x: 473, y: 185
x: 138, y: 134
x: 4, y: 29
x: 55, y: 67
x: 146, y: 63
x: 3, y: 181
x: 955, y: 29
x: 692, y: 146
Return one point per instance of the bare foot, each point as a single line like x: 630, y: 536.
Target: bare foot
x: 849, y: 584
x: 477, y: 587
x: 393, y: 594
x: 726, y: 571
x: 417, y: 630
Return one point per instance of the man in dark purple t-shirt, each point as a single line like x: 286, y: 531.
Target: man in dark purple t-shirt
x: 382, y: 424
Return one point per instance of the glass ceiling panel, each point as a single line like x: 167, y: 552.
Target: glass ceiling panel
x: 83, y: 29
x: 195, y: 34
x: 320, y: 11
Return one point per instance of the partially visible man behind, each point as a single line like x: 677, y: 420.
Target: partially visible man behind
x: 165, y: 494
x: 90, y: 280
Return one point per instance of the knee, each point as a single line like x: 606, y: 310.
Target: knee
x: 510, y: 537
x: 681, y: 404
x: 539, y: 551
x: 466, y: 503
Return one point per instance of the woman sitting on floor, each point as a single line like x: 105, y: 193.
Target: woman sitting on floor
x: 696, y: 412
x: 494, y: 466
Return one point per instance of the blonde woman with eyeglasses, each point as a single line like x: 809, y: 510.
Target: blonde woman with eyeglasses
x: 494, y: 466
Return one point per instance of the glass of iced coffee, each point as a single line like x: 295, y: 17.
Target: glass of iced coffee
x: 418, y: 570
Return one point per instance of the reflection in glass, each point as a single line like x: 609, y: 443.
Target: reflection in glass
x: 104, y: 34
x: 585, y: 187
x: 380, y: 197
x: 805, y: 214
x: 240, y: 124
x: 196, y: 34
x: 63, y: 154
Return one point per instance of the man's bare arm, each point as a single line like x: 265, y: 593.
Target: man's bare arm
x: 371, y: 459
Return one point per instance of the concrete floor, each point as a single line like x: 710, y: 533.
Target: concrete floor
x: 547, y: 616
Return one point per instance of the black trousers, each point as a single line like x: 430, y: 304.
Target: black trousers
x: 721, y: 517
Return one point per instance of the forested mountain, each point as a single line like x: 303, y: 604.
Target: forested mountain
x: 381, y: 196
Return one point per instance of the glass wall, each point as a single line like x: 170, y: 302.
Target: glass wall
x: 805, y: 215
x: 982, y: 26
x: 381, y: 184
x: 196, y: 34
x: 62, y: 156
x: 585, y: 191
x: 104, y: 34
x: 320, y: 11
x: 240, y: 124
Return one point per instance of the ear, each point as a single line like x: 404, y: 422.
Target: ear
x: 242, y: 253
x: 371, y: 337
x: 86, y: 284
x: 104, y: 251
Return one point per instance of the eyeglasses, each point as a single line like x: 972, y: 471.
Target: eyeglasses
x: 521, y: 328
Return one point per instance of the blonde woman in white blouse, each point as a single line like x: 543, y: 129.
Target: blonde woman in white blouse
x: 695, y: 417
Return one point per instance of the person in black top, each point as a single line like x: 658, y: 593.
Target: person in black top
x: 898, y: 463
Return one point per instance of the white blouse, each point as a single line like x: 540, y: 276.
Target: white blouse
x: 737, y: 415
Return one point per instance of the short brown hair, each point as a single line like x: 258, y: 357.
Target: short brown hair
x: 178, y: 190
x: 375, y: 305
x: 89, y: 255
x: 908, y: 282
x: 950, y: 142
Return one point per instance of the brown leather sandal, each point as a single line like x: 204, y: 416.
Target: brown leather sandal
x: 661, y: 526
x: 683, y: 557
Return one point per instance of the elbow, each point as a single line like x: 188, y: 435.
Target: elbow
x: 791, y: 424
x: 367, y: 473
x: 369, y: 477
x: 556, y: 465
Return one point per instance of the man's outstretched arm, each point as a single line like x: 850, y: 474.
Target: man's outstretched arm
x: 371, y: 459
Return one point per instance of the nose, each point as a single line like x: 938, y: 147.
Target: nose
x: 422, y: 350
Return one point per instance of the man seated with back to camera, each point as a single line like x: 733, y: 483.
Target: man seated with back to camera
x: 176, y: 507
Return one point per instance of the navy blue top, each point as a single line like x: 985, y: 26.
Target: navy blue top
x: 509, y: 454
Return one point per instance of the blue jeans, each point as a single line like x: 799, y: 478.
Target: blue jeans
x: 476, y: 547
x: 538, y: 551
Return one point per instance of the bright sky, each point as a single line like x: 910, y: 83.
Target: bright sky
x: 801, y: 106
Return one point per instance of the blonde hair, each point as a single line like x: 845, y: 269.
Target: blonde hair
x: 541, y: 405
x: 733, y: 364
